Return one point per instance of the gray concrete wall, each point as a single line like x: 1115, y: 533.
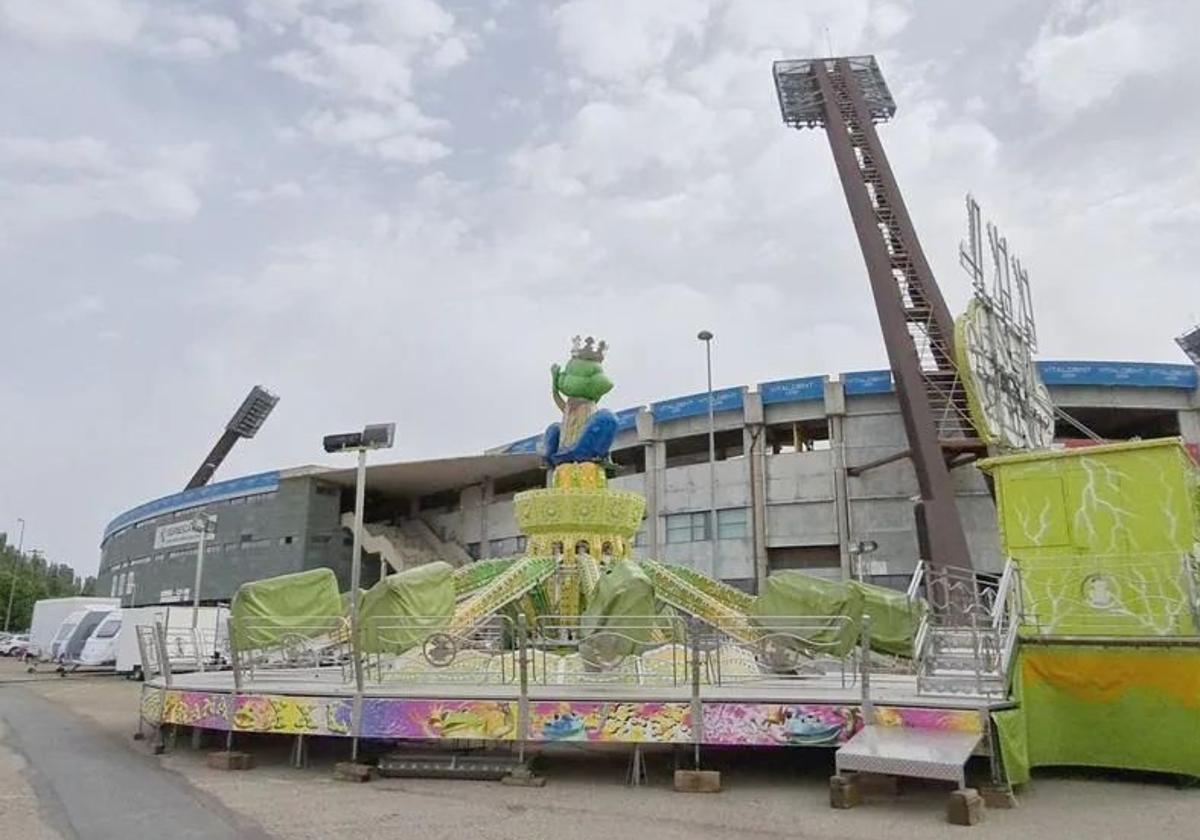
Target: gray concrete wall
x: 256, y: 536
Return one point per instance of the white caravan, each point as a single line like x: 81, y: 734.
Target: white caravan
x: 100, y: 650
x: 48, y: 616
x: 187, y: 650
x: 75, y: 631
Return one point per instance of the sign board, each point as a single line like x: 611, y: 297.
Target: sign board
x: 1128, y: 374
x: 860, y: 382
x: 694, y: 405
x: 177, y: 534
x: 792, y: 390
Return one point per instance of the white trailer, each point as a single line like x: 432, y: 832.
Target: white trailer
x: 48, y: 616
x: 184, y: 648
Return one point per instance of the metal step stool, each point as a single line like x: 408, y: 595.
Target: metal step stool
x: 915, y: 753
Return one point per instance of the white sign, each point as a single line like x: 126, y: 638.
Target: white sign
x: 178, y: 533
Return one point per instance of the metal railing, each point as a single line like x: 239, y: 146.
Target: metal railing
x: 429, y: 650
x: 632, y: 650
x: 293, y: 648
x: 968, y: 635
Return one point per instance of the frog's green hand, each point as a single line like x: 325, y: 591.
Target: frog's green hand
x: 555, y: 370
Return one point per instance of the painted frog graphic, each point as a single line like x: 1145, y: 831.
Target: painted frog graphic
x: 586, y: 432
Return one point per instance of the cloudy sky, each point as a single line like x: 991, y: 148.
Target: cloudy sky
x: 403, y: 209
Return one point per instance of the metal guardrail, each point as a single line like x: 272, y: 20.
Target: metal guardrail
x: 302, y: 647
x: 432, y: 650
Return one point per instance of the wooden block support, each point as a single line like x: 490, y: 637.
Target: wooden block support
x: 965, y: 807
x: 521, y: 777
x: 349, y: 771
x: 230, y: 760
x: 698, y: 781
x: 844, y: 792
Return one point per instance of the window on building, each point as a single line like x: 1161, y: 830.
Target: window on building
x: 129, y: 585
x: 522, y: 541
x: 731, y: 524
x: 499, y: 548
x: 112, y: 589
x: 252, y: 544
x: 286, y: 540
x: 687, y: 527
x: 473, y: 550
x: 319, y: 539
x: 639, y: 539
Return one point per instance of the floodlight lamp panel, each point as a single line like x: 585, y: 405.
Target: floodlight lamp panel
x: 252, y: 413
x: 342, y: 442
x: 801, y: 102
x: 379, y: 436
x: 1189, y: 343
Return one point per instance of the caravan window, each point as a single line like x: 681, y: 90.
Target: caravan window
x: 64, y: 631
x: 109, y: 628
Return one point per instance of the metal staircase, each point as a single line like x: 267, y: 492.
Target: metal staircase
x: 930, y: 325
x: 966, y: 641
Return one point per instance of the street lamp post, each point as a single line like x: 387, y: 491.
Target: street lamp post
x: 707, y: 337
x: 378, y: 436
x: 200, y: 526
x: 12, y: 582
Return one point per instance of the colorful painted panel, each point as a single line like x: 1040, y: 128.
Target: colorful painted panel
x: 945, y: 720
x: 195, y: 708
x: 778, y: 724
x: 662, y: 723
x: 152, y: 705
x: 282, y: 715
x: 423, y: 719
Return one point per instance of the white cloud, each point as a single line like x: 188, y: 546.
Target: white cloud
x: 45, y: 180
x: 622, y: 40
x: 68, y: 22
x: 155, y: 28
x: 1086, y: 51
x: 286, y: 190
x: 365, y: 62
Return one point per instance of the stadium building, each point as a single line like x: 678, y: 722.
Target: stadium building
x: 808, y: 473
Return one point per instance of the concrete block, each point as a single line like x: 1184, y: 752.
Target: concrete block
x: 965, y: 807
x: 349, y: 771
x: 698, y: 781
x: 230, y: 760
x: 844, y: 792
x: 998, y: 796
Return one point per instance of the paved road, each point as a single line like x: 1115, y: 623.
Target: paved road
x: 89, y: 786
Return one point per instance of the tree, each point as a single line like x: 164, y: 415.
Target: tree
x: 32, y: 579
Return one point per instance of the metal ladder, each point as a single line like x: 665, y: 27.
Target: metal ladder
x: 932, y: 338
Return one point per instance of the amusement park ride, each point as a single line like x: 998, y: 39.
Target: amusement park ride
x: 580, y: 640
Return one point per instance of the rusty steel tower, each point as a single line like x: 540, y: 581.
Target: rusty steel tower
x: 847, y: 97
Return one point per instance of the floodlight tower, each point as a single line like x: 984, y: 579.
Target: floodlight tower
x: 245, y: 423
x: 847, y: 96
x: 1189, y: 343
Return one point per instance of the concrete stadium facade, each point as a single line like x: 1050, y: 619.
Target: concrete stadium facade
x: 789, y: 492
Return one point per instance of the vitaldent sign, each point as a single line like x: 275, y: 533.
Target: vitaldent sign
x: 178, y: 533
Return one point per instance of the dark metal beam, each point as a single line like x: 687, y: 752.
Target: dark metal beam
x: 947, y: 542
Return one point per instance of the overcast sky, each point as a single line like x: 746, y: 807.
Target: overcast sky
x: 403, y: 209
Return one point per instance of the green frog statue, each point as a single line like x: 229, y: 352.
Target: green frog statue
x: 586, y: 432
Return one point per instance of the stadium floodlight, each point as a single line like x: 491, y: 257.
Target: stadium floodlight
x: 252, y: 413
x: 376, y: 436
x: 1189, y: 343
x: 244, y: 423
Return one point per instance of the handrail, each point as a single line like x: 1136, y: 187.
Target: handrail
x: 914, y: 585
